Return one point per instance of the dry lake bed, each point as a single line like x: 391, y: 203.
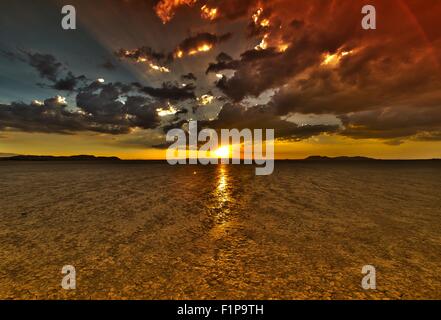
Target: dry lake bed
x: 140, y: 230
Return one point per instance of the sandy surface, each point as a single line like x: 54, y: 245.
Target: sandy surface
x: 151, y: 231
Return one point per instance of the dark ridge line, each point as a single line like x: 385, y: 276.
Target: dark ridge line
x: 116, y: 159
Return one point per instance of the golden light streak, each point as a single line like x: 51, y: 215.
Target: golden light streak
x: 147, y: 61
x: 179, y: 54
x: 209, y: 13
x: 256, y: 15
x: 265, y: 23
x: 159, y: 68
x: 164, y: 112
x: 334, y: 59
x: 257, y: 19
x: 202, y: 48
x: 263, y: 45
x: 206, y: 99
x: 61, y: 100
x: 282, y: 47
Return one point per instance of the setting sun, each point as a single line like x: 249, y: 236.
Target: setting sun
x: 223, y: 152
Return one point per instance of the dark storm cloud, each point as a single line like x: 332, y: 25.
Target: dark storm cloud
x: 307, y: 42
x: 263, y: 117
x: 393, y: 123
x: 193, y: 44
x: 223, y: 57
x: 49, y: 68
x: 375, y: 96
x: 113, y: 108
x: 51, y: 117
x: 225, y: 62
x: 254, y: 55
x: 68, y: 83
x: 169, y: 91
x: 382, y: 83
x: 46, y: 64
x: 189, y: 76
x: 370, y: 72
x: 106, y: 106
x: 260, y: 70
x: 99, y: 109
x: 144, y: 53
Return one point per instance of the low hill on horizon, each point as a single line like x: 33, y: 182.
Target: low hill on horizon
x: 60, y: 158
x: 344, y: 158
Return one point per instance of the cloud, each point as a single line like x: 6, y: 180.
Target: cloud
x: 263, y: 117
x: 51, y: 116
x: 69, y: 83
x: 47, y: 65
x: 394, y: 123
x: 49, y: 68
x: 297, y: 57
x: 105, y: 104
x: 108, y: 65
x: 200, y: 42
x: 225, y: 9
x: 335, y: 67
x: 143, y: 54
x: 376, y: 93
x: 189, y: 76
x: 169, y: 91
x: 225, y: 62
x: 165, y: 9
x: 231, y: 9
x: 100, y: 108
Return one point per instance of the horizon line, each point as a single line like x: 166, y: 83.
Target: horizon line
x: 309, y: 158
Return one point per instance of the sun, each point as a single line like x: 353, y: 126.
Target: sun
x: 223, y: 152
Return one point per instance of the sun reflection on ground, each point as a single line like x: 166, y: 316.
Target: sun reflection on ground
x: 222, y: 196
x: 223, y: 193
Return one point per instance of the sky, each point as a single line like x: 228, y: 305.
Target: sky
x: 134, y: 69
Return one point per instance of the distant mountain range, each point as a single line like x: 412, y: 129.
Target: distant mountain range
x: 12, y: 157
x: 335, y: 159
x: 63, y: 158
x: 320, y: 158
x: 7, y: 155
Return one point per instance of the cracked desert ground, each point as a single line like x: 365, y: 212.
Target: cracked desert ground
x: 140, y: 230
